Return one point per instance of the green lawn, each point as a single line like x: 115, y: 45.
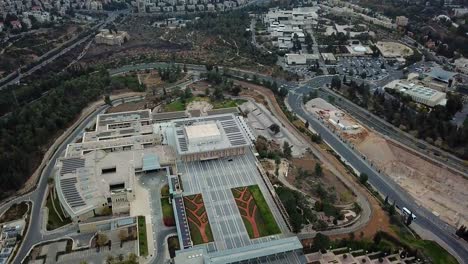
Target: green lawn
x: 53, y: 221
x: 142, y: 240
x: 227, y: 103
x: 431, y: 249
x: 174, y: 106
x: 269, y: 226
x: 196, y: 236
x: 168, y: 212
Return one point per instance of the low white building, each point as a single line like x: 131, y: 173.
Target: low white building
x: 418, y: 93
x: 111, y: 38
x: 301, y: 59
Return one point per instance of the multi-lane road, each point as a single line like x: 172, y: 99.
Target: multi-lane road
x: 383, y: 184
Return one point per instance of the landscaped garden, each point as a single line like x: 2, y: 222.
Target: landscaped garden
x: 56, y: 217
x: 200, y: 230
x: 142, y: 239
x: 256, y: 214
x: 167, y: 210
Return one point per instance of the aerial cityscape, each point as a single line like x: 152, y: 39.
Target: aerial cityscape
x: 234, y: 131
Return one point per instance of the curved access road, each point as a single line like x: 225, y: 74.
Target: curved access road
x: 34, y: 233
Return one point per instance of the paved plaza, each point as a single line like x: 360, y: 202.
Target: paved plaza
x: 214, y: 179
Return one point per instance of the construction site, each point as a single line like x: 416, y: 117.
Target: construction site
x: 434, y: 187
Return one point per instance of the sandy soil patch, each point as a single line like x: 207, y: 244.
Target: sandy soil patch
x: 201, y: 105
x: 439, y: 190
x: 394, y: 49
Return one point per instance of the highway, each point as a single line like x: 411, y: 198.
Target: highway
x: 383, y: 184
x: 65, y: 48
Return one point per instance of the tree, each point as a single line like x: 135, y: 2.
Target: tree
x: 377, y: 238
x: 409, y: 220
x: 335, y: 83
x: 392, y: 210
x: 275, y: 128
x: 235, y: 90
x: 344, y: 79
x: 107, y: 100
x: 318, y: 170
x: 321, y: 242
x: 209, y: 67
x: 363, y: 178
x: 101, y: 239
x: 287, y: 150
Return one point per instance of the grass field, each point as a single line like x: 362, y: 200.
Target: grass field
x: 227, y: 103
x: 53, y: 221
x: 168, y: 212
x: 174, y: 106
x: 431, y: 249
x: 256, y: 214
x: 142, y: 240
x: 270, y: 224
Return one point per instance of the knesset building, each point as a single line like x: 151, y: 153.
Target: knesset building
x: 98, y: 175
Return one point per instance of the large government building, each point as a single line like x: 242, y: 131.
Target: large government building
x: 199, y: 155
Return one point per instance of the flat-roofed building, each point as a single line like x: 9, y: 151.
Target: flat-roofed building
x: 109, y: 37
x: 418, y: 93
x: 329, y: 58
x: 211, y: 137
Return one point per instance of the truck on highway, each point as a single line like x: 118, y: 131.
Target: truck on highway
x: 408, y: 213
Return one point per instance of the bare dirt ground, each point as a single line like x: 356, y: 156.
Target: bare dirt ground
x: 434, y: 187
x: 329, y: 180
x: 201, y: 105
x: 441, y: 191
x: 130, y: 106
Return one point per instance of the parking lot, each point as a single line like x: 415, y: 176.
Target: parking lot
x: 368, y: 67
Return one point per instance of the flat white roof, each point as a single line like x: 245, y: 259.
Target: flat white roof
x: 202, y: 131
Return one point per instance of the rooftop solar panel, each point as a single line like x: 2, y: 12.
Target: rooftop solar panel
x: 70, y: 165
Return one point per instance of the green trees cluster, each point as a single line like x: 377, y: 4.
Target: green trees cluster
x: 433, y: 125
x: 170, y: 74
x: 231, y: 27
x: 296, y: 205
x: 28, y: 130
